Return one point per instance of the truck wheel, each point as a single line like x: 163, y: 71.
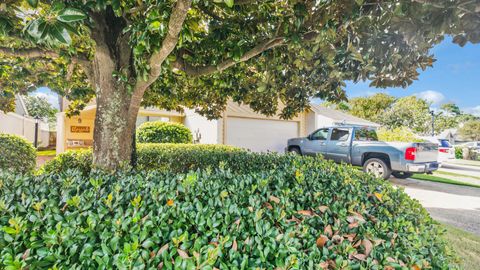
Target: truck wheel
x: 402, y: 175
x: 295, y: 151
x: 377, y: 167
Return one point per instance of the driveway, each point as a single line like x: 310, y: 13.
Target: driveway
x: 458, y: 206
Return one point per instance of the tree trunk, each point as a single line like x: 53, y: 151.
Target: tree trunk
x: 114, y: 119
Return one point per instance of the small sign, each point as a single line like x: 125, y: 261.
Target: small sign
x: 80, y: 129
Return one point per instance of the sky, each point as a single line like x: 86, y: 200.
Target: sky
x: 455, y: 77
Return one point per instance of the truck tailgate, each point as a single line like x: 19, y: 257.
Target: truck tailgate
x: 426, y: 152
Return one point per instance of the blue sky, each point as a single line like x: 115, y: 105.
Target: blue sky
x: 455, y: 77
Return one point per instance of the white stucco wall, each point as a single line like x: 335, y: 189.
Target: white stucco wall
x: 323, y: 121
x: 208, y: 129
x: 311, y: 122
x: 60, y: 133
x: 12, y: 123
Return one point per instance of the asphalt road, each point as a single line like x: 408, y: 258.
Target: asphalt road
x: 458, y: 206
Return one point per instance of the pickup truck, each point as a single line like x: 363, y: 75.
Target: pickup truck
x: 359, y: 146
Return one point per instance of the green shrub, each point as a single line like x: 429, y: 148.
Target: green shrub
x: 397, y: 135
x: 163, y: 132
x: 173, y: 158
x: 80, y: 160
x: 458, y: 152
x: 305, y: 214
x: 16, y: 154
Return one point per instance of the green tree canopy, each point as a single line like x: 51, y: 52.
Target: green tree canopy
x: 371, y: 108
x: 199, y: 54
x: 471, y: 130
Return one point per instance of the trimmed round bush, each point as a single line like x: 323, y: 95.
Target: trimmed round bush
x: 163, y: 132
x: 306, y: 213
x: 16, y: 154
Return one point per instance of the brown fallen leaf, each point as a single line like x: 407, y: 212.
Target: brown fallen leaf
x: 321, y: 241
x: 26, y: 254
x: 160, y: 266
x: 360, y: 257
x: 305, y: 213
x: 378, y: 196
x: 268, y: 205
x: 323, y: 208
x: 350, y: 237
x: 183, y: 254
x: 416, y: 267
x: 162, y: 249
x: 367, y: 245
x: 294, y: 219
x: 353, y: 225
x: 274, y: 199
x: 234, y: 245
x: 323, y: 265
x: 328, y: 230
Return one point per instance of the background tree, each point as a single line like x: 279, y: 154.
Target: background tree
x: 410, y: 112
x: 199, y: 54
x: 371, y: 108
x: 39, y: 107
x: 471, y: 130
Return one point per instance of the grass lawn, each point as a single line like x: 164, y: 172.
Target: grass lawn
x: 434, y: 178
x: 47, y: 153
x: 465, y: 245
x: 457, y: 174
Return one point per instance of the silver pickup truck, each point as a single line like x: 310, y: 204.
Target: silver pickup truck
x: 359, y: 146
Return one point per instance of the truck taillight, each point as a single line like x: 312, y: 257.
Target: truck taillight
x: 443, y: 150
x: 410, y: 153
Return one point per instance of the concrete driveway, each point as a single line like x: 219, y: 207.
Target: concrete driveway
x: 458, y: 206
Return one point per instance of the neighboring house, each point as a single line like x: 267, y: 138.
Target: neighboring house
x: 239, y: 126
x: 20, y: 123
x: 452, y: 136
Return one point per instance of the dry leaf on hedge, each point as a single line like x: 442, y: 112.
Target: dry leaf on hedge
x: 170, y: 202
x: 323, y: 208
x: 305, y: 213
x: 323, y: 265
x: 416, y: 267
x: 162, y: 249
x: 321, y: 241
x: 328, y: 231
x: 378, y: 196
x: 160, y: 266
x: 360, y: 257
x: 234, y: 245
x: 268, y: 205
x: 183, y: 254
x: 367, y: 245
x: 274, y: 199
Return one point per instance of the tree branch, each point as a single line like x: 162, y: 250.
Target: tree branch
x: 206, y: 70
x: 39, y: 53
x: 175, y: 24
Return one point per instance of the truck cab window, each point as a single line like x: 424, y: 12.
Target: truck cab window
x: 340, y: 134
x: 320, y: 135
x: 366, y: 135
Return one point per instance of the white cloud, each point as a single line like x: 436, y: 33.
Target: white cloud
x: 473, y: 110
x: 436, y: 98
x: 50, y: 97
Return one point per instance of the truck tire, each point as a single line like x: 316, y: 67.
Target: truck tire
x: 377, y: 167
x: 295, y: 151
x: 402, y: 175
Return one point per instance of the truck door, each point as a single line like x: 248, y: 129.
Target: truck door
x: 317, y: 142
x: 338, y: 146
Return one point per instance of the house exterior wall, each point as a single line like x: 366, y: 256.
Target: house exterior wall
x: 323, y: 121
x: 12, y: 123
x: 203, y: 130
x: 310, y: 122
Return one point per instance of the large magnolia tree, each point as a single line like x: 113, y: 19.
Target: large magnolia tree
x: 198, y: 54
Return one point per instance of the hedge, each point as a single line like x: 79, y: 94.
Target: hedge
x: 174, y: 158
x: 16, y: 154
x: 305, y: 214
x: 163, y: 132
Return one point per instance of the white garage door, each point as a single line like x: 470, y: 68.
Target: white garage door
x: 260, y: 135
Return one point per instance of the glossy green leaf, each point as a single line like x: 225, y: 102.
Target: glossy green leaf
x: 70, y: 15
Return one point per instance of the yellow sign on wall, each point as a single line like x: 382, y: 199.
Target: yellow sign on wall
x: 80, y: 129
